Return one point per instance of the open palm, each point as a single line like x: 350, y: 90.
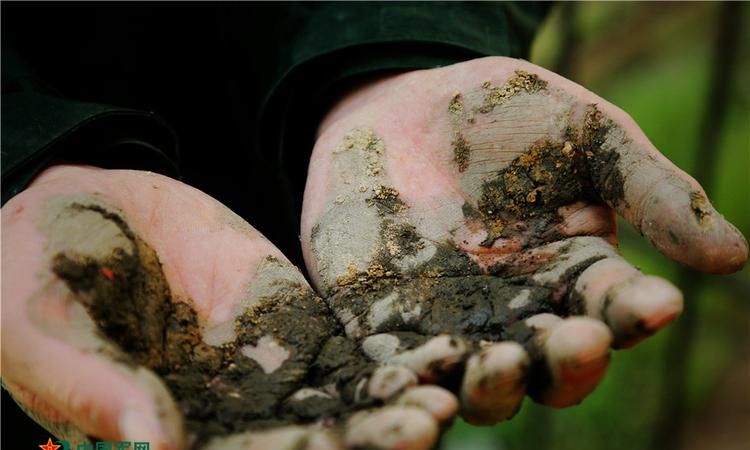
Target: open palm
x: 460, y: 222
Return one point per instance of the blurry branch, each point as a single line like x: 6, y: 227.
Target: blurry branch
x: 673, y: 416
x: 726, y: 56
x: 738, y: 288
x: 568, y: 40
x: 639, y: 36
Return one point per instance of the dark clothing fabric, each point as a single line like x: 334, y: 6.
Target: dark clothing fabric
x: 224, y: 96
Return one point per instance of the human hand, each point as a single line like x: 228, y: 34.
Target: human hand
x: 476, y: 203
x: 138, y: 308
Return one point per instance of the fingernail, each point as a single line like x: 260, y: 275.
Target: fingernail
x: 139, y: 426
x: 657, y: 322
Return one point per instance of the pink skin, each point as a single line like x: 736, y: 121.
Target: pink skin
x: 410, y: 113
x: 47, y: 362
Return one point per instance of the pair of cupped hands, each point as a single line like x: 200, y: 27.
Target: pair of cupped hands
x: 458, y: 225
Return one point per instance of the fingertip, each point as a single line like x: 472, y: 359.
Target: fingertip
x: 284, y: 437
x: 494, y: 383
x: 680, y: 222
x: 577, y: 356
x: 323, y: 440
x: 438, y: 402
x: 723, y: 251
x: 578, y: 339
x: 143, y: 426
x: 661, y: 201
x: 434, y: 359
x: 639, y: 307
x: 392, y: 427
x: 390, y: 380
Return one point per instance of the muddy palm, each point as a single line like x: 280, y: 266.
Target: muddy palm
x: 461, y: 222
x: 141, y: 309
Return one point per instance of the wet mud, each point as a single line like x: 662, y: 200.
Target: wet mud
x: 451, y: 294
x: 550, y: 174
x: 218, y: 388
x: 476, y: 307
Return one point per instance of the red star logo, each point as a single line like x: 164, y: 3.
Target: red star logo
x: 49, y: 445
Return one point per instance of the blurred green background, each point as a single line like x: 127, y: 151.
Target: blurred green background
x: 682, y: 71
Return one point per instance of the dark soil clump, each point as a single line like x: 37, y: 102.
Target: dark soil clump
x: 549, y: 175
x: 603, y: 162
x: 456, y: 296
x: 534, y: 185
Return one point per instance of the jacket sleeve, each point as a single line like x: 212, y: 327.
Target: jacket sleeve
x: 40, y: 129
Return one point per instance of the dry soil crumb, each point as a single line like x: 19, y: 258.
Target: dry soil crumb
x: 461, y: 152
x: 456, y: 105
x: 523, y: 81
x: 701, y: 207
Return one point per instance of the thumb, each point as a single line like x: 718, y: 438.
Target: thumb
x: 75, y: 384
x: 55, y: 356
x: 662, y: 202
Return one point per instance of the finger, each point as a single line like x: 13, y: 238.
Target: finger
x: 438, y: 402
x: 312, y: 404
x: 388, y: 381
x: 586, y: 219
x: 431, y: 361
x: 569, y: 357
x: 633, y: 305
x: 53, y: 347
x: 298, y: 438
x: 385, y: 383
x: 494, y: 383
x: 392, y: 427
x: 661, y: 201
